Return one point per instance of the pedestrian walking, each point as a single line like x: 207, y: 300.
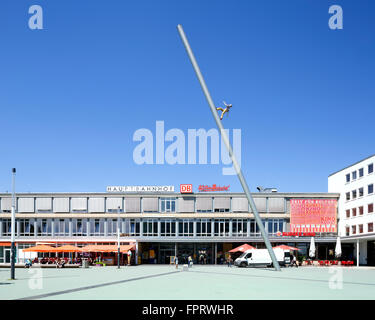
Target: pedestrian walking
x: 129, y: 257
x: 176, y: 261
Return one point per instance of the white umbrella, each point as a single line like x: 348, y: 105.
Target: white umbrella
x: 312, y: 248
x: 338, y: 251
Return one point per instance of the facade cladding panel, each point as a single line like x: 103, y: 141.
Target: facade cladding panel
x: 204, y: 204
x: 186, y: 204
x: 240, y: 205
x: 25, y: 205
x: 61, y: 205
x: 96, y: 204
x: 221, y: 203
x: 43, y: 204
x: 114, y: 203
x: 78, y: 204
x: 276, y: 205
x: 6, y: 204
x: 133, y: 204
x: 261, y: 204
x: 150, y: 204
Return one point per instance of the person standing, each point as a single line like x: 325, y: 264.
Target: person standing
x: 176, y: 261
x: 129, y: 253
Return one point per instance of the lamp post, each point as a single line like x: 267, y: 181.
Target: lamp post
x: 13, y: 228
x: 118, y: 237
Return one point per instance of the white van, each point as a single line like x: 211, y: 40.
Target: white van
x: 260, y: 257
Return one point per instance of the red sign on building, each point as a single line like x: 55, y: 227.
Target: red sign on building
x: 186, y: 188
x: 309, y: 215
x: 214, y: 187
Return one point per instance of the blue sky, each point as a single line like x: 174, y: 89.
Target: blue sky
x: 73, y: 94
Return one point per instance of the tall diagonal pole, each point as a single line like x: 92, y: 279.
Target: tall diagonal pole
x: 229, y: 147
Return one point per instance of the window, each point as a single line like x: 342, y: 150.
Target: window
x: 221, y: 227
x: 347, y: 196
x: 370, y: 227
x: 354, y: 229
x: 348, y: 177
x: 348, y: 213
x: 360, y: 209
x: 354, y: 194
x: 239, y: 228
x: 185, y: 228
x: 370, y: 189
x: 26, y: 227
x: 360, y: 192
x: 150, y: 228
x: 370, y: 168
x: 275, y: 225
x: 97, y: 227
x: 135, y: 227
x: 354, y: 175
x: 203, y: 228
x: 347, y: 231
x: 360, y: 227
x: 354, y: 212
x: 370, y: 208
x: 168, y: 228
x: 61, y: 227
x: 248, y: 256
x: 168, y: 204
x: 44, y: 227
x: 360, y: 172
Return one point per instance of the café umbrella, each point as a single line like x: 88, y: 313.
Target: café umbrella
x: 338, y: 251
x: 242, y: 248
x: 312, y: 248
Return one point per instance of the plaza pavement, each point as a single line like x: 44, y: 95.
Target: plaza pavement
x: 164, y: 282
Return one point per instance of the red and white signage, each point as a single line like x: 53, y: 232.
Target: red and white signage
x: 212, y: 188
x: 186, y: 188
x: 313, y: 215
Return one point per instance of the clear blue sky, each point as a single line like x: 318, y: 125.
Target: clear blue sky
x: 72, y: 94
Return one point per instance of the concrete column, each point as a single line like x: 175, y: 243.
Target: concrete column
x: 230, y: 227
x: 70, y: 227
x: 1, y: 231
x: 159, y: 229
x: 357, y: 247
x: 141, y: 228
x: 176, y: 226
x: 175, y: 249
x: 18, y: 223
x: 52, y: 227
x: 194, y: 228
x: 88, y: 227
x: 212, y: 227
x: 106, y: 227
x: 215, y: 253
x: 35, y: 227
x: 136, y: 252
x: 248, y: 228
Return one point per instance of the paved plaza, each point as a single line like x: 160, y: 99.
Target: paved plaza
x: 164, y: 282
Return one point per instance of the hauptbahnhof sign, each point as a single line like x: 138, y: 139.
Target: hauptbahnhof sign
x: 140, y: 188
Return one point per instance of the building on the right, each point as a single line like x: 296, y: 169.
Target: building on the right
x: 355, y: 184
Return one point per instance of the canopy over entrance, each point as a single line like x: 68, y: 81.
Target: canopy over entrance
x: 40, y: 248
x: 107, y: 248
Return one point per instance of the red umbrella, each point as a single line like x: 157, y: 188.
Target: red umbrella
x: 242, y: 248
x: 285, y: 247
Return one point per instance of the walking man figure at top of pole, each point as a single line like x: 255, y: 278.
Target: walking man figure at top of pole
x: 223, y: 111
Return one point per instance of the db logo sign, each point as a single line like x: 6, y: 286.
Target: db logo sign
x: 186, y: 188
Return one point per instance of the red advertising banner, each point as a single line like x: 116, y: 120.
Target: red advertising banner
x: 313, y: 215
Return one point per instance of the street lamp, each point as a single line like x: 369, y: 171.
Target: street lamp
x: 118, y: 237
x: 13, y: 227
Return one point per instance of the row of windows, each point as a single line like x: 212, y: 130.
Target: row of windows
x: 138, y: 227
x: 141, y: 204
x: 359, y: 193
x: 358, y: 229
x: 353, y: 176
x: 359, y: 210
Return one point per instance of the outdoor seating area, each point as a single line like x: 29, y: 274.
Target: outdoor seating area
x: 326, y: 263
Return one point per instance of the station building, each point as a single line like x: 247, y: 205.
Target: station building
x: 355, y: 184
x: 161, y: 224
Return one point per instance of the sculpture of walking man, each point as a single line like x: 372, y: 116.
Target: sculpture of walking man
x: 223, y: 111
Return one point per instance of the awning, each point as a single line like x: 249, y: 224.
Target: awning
x: 107, y: 248
x: 242, y: 248
x: 40, y: 248
x: 67, y: 248
x: 5, y: 244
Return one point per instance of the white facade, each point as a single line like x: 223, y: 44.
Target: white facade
x: 356, y: 212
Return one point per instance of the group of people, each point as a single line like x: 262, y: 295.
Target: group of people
x: 189, y: 261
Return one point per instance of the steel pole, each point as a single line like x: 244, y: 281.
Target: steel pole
x: 229, y: 147
x: 118, y: 237
x: 13, y: 227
